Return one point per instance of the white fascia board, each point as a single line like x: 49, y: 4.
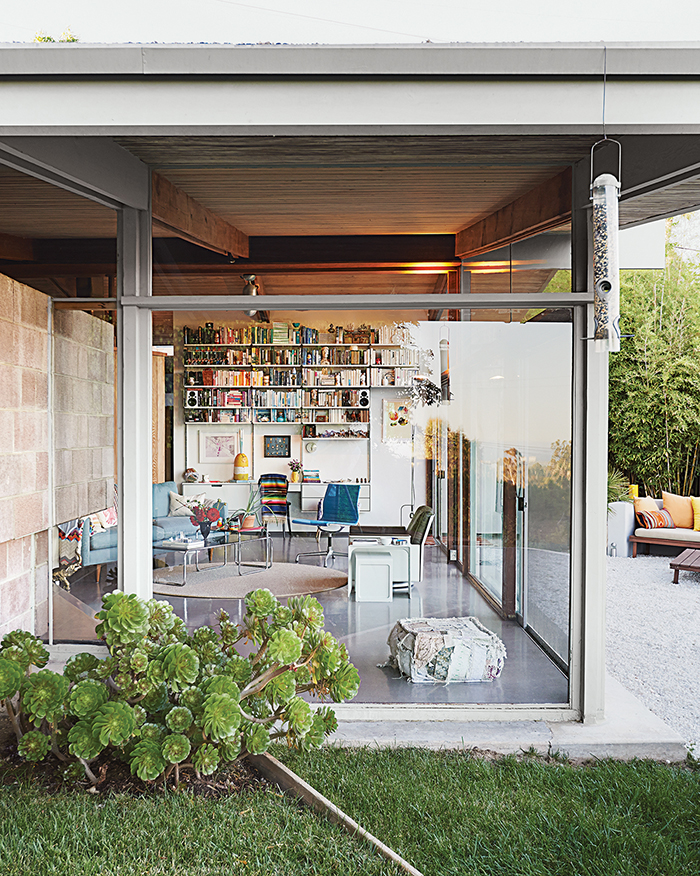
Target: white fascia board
x: 643, y: 247
x: 454, y: 59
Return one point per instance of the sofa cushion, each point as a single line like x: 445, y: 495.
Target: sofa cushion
x: 680, y: 508
x: 655, y: 520
x: 161, y: 498
x: 688, y: 535
x: 101, y: 540
x: 646, y: 503
x: 181, y: 506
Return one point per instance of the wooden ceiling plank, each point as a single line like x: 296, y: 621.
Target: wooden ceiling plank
x: 178, y: 212
x: 541, y: 209
x: 16, y: 249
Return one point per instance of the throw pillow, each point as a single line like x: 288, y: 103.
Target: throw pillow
x: 696, y: 513
x: 180, y: 506
x: 655, y: 519
x: 680, y: 508
x: 646, y: 503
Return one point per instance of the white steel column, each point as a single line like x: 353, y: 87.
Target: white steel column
x: 134, y: 414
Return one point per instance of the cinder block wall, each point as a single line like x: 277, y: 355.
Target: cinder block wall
x: 24, y: 456
x: 83, y: 414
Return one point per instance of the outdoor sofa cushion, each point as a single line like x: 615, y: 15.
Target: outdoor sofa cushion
x: 677, y: 534
x: 680, y: 508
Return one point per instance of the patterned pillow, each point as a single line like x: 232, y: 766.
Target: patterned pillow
x: 180, y: 506
x: 655, y: 520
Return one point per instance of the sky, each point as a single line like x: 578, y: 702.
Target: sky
x: 361, y: 21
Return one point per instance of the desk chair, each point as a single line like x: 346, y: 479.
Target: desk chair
x: 338, y: 508
x: 273, y: 498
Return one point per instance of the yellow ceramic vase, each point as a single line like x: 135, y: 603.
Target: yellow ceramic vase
x: 240, y: 467
x: 295, y: 477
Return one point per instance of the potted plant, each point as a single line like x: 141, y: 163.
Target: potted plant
x: 247, y: 518
x: 204, y: 517
x: 296, y: 468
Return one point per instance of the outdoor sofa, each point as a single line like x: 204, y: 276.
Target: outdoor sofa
x: 680, y: 536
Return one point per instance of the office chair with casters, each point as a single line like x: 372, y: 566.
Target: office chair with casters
x: 338, y: 508
x: 273, y: 496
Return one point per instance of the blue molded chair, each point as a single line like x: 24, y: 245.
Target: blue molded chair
x: 338, y: 508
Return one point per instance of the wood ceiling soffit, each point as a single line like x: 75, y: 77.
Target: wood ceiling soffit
x: 177, y: 211
x: 19, y: 249
x: 541, y: 209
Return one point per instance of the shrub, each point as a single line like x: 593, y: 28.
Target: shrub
x: 164, y: 700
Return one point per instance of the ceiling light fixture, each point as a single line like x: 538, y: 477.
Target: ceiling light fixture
x: 250, y: 288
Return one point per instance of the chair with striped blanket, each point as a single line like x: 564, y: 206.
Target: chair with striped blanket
x: 273, y: 498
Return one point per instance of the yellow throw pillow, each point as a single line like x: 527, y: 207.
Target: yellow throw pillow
x: 696, y: 512
x: 680, y: 508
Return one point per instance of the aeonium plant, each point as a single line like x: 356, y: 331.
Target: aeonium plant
x: 165, y: 700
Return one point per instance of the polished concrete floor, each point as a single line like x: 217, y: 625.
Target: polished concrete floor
x: 529, y: 675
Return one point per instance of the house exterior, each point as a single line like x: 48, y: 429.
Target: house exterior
x: 439, y: 181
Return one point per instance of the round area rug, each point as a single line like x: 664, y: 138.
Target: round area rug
x: 224, y: 582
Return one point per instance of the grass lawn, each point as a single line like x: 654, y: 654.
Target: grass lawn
x: 447, y: 813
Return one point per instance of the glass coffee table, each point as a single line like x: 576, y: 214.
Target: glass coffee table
x: 230, y: 541
x: 190, y: 551
x: 238, y: 538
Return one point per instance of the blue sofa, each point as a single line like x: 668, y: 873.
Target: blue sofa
x: 99, y: 548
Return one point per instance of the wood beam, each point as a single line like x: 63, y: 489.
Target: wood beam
x: 541, y: 209
x: 178, y: 212
x: 16, y: 249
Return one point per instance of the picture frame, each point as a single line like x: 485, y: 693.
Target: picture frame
x: 217, y: 446
x: 278, y: 446
x: 396, y: 420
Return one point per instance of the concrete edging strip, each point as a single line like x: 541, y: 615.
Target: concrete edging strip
x: 291, y: 783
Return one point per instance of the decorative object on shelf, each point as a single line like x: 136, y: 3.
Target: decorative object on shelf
x: 396, y: 422
x: 277, y: 445
x: 311, y: 476
x: 191, y: 476
x: 240, y: 463
x: 217, y: 447
x: 204, y: 517
x: 296, y: 467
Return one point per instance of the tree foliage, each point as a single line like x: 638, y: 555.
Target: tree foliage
x: 654, y: 433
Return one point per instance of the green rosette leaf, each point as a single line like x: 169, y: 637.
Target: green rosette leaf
x: 155, y: 672
x: 154, y: 732
x: 11, y: 676
x: 181, y: 665
x: 239, y: 669
x: 43, y: 694
x: 147, y: 761
x: 34, y: 651
x: 299, y: 715
x: 204, y: 635
x: 83, y: 742
x: 281, y: 689
x: 229, y: 749
x: 303, y: 675
x: 206, y: 759
x: 80, y: 665
x: 221, y: 684
x: 328, y: 658
x: 106, y: 667
x: 258, y: 706
x: 140, y: 715
x: 192, y: 698
x: 345, y: 683
x: 210, y: 654
x: 176, y: 747
x: 86, y: 697
x: 284, y: 616
x: 124, y: 618
x: 284, y: 647
x: 16, y: 655
x: 330, y: 722
x: 257, y: 738
x: 114, y: 723
x: 314, y: 737
x: 139, y: 661
x: 261, y: 603
x: 156, y: 700
x: 179, y: 719
x: 161, y: 617
x: 307, y: 610
x: 222, y: 716
x: 34, y: 745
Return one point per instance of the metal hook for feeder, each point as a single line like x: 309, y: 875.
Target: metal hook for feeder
x: 619, y: 157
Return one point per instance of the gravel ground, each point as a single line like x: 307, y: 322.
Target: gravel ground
x: 653, y: 639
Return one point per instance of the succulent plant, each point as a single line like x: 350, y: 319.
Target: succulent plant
x: 314, y: 736
x: 80, y: 665
x: 193, y: 698
x: 34, y: 651
x: 307, y: 610
x: 206, y: 759
x: 114, y: 723
x: 345, y: 684
x: 124, y: 618
x: 239, y: 669
x: 150, y: 730
x: 282, y: 688
x: 284, y: 646
x: 34, y: 745
x: 83, y: 742
x: 139, y: 661
x: 257, y: 738
x: 230, y: 748
x: 299, y: 715
x: 11, y: 676
x: 222, y: 716
x: 86, y: 697
x: 221, y: 684
x: 176, y: 747
x: 181, y: 665
x: 261, y: 603
x: 43, y: 694
x: 147, y: 761
x: 156, y: 700
x: 179, y: 719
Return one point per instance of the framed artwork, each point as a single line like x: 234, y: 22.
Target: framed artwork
x: 278, y: 445
x: 217, y: 447
x: 396, y: 421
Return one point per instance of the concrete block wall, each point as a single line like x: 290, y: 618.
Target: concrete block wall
x: 24, y: 457
x: 83, y: 414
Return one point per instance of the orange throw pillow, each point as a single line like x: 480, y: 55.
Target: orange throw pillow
x: 646, y: 503
x: 680, y: 508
